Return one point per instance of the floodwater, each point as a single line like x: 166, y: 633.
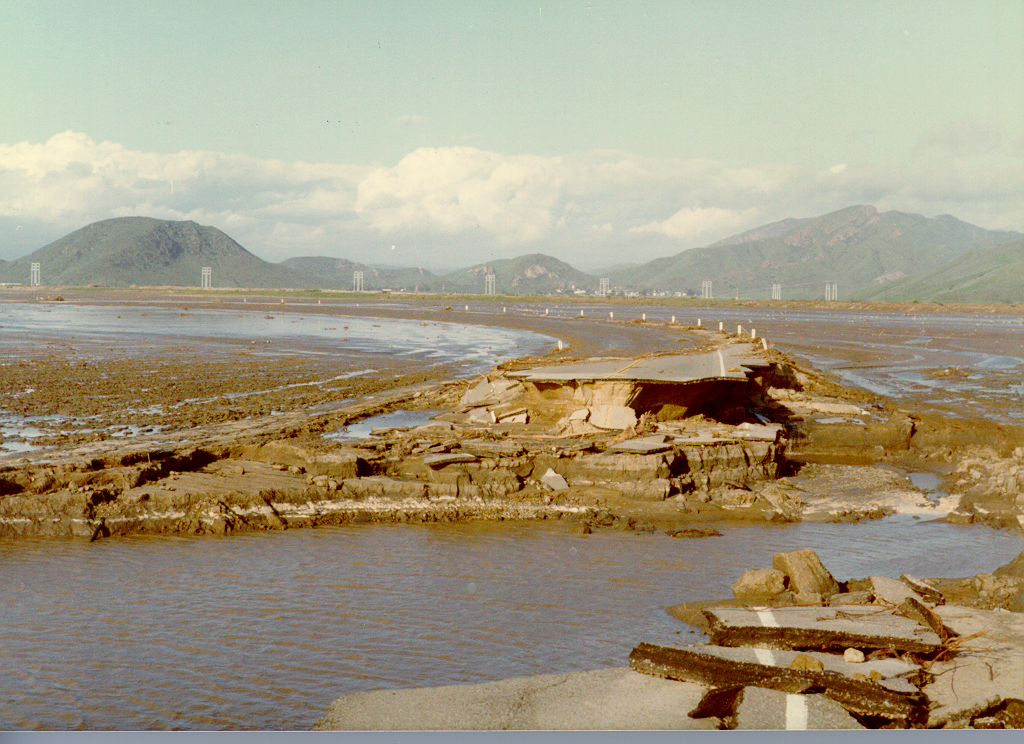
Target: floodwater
x: 478, y: 347
x: 264, y: 630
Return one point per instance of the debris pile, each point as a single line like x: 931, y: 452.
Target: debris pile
x: 993, y: 490
x: 798, y: 649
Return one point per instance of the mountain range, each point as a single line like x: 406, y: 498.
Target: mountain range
x: 867, y: 254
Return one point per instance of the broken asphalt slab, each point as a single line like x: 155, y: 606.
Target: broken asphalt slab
x: 841, y: 627
x: 986, y: 671
x: 861, y: 697
x: 727, y: 363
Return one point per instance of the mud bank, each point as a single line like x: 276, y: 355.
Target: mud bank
x: 622, y: 453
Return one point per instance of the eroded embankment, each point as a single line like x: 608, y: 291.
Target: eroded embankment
x: 631, y: 455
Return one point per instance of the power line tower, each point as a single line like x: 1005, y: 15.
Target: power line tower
x: 207, y: 277
x: 490, y: 284
x: 357, y: 281
x: 36, y: 275
x: 706, y: 292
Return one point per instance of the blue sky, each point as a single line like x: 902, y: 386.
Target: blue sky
x: 462, y: 132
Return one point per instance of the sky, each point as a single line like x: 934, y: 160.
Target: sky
x: 446, y: 134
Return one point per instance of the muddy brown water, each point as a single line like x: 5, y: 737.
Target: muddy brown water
x: 263, y: 630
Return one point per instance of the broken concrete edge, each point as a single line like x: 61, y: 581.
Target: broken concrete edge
x: 864, y: 699
x: 827, y: 628
x: 713, y: 688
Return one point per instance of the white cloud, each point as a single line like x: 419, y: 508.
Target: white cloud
x: 456, y: 206
x: 460, y: 189
x: 693, y: 224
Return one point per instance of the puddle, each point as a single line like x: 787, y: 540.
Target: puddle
x: 925, y: 481
x: 17, y: 433
x: 929, y: 484
x: 395, y: 419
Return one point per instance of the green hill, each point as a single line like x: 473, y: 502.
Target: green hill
x: 336, y: 273
x: 148, y: 252
x: 531, y: 274
x: 986, y: 275
x: 856, y: 248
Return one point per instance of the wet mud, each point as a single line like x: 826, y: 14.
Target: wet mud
x: 215, y: 435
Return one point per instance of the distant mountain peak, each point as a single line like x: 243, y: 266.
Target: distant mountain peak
x: 855, y: 248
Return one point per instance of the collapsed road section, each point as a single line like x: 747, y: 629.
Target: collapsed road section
x: 890, y: 653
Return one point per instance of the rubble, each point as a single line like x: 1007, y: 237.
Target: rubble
x: 888, y: 660
x: 494, y: 443
x: 860, y: 698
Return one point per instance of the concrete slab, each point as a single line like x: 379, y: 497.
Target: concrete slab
x: 644, y: 446
x: 757, y: 432
x: 929, y: 593
x: 722, y: 364
x: 891, y: 591
x: 487, y: 392
x: 847, y: 626
x: 701, y: 438
x: 857, y: 695
x: 487, y: 448
x: 607, y: 699
x: 761, y: 709
x: 987, y: 668
x: 554, y: 481
x: 615, y: 418
x: 888, y: 668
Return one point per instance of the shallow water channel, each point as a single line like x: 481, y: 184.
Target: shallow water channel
x: 263, y: 630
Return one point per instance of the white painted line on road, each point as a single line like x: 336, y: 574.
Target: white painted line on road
x: 767, y: 618
x: 796, y: 713
x: 796, y: 705
x: 721, y: 363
